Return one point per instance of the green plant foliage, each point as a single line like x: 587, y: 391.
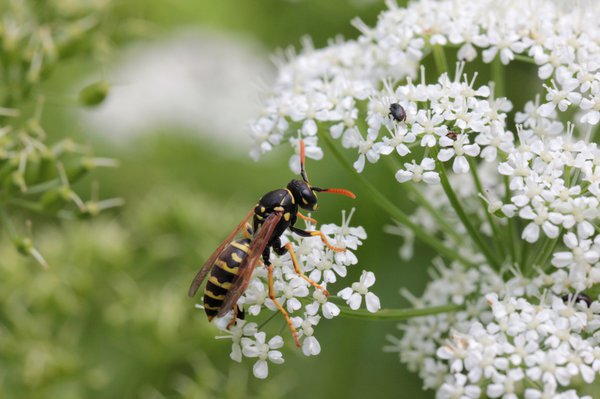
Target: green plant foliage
x: 111, y: 318
x: 36, y: 176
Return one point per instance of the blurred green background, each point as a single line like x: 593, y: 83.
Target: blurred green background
x: 111, y: 317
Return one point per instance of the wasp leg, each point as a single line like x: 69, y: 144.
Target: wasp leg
x: 234, y: 320
x: 304, y: 233
x: 308, y: 219
x: 281, y: 309
x: 248, y: 231
x: 281, y: 250
x: 290, y: 249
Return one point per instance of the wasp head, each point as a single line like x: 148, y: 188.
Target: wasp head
x: 303, y: 194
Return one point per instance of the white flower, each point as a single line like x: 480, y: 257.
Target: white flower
x: 458, y: 148
x: 417, y: 173
x: 255, y: 296
x: 291, y: 290
x: 507, y: 43
x: 400, y: 136
x: 310, y: 345
x: 328, y: 309
x: 540, y: 216
x: 353, y: 295
x: 367, y: 148
x: 263, y: 351
x: 429, y: 127
x: 346, y: 236
x: 560, y: 97
x: 235, y: 333
x: 457, y: 387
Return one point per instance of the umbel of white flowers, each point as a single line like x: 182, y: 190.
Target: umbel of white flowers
x: 305, y: 304
x: 512, y: 210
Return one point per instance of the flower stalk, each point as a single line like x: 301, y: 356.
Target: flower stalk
x: 395, y: 212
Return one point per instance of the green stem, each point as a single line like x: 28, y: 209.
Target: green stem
x: 567, y: 175
x: 524, y: 255
x: 395, y: 212
x: 548, y: 250
x: 524, y: 58
x: 398, y: 314
x: 510, y: 227
x: 268, y: 319
x: 440, y: 59
x: 544, y: 250
x: 422, y: 201
x: 464, y: 218
x: 8, y: 225
x: 27, y: 205
x: 498, y: 77
x: 495, y: 232
x: 435, y: 213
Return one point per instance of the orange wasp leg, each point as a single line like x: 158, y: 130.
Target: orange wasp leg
x: 326, y: 241
x: 281, y: 309
x: 308, y: 219
x: 234, y: 320
x: 290, y: 249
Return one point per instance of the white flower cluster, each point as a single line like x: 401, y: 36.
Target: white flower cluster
x: 520, y: 202
x: 518, y: 341
x: 545, y: 344
x: 329, y: 86
x: 305, y: 304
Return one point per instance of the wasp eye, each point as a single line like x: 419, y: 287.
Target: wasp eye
x: 309, y: 199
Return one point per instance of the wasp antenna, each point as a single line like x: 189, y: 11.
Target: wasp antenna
x: 302, y: 159
x: 341, y: 191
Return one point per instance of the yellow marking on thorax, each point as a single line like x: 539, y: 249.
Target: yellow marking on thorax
x: 216, y: 282
x: 243, y: 247
x: 213, y: 295
x: 291, y: 195
x: 223, y: 266
x: 278, y: 209
x: 262, y: 209
x: 286, y: 216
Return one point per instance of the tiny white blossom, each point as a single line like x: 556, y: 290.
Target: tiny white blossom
x: 353, y: 295
x: 419, y: 172
x: 264, y: 351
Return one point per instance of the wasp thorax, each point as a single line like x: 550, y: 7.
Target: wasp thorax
x: 303, y: 194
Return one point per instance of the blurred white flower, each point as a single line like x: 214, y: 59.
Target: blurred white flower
x: 198, y: 80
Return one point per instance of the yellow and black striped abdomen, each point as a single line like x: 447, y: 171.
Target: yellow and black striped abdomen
x: 222, y: 273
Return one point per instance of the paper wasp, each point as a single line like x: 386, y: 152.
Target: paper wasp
x: 232, y: 263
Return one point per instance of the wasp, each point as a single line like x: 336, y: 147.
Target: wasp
x: 231, y: 265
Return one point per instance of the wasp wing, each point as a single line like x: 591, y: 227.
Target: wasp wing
x: 201, y: 275
x: 259, y: 242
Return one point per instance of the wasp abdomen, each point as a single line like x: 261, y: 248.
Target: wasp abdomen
x: 222, y: 273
